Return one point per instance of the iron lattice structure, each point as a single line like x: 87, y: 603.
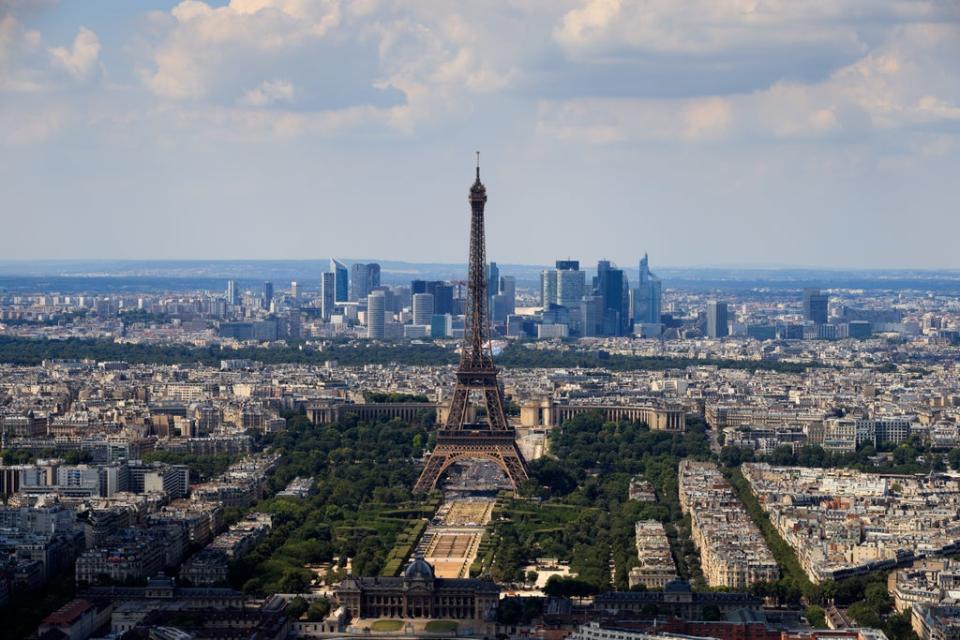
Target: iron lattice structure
x: 493, y: 438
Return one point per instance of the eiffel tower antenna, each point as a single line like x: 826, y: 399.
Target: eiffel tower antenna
x: 458, y: 439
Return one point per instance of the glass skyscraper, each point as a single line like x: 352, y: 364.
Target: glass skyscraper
x: 341, y: 281
x: 647, y: 297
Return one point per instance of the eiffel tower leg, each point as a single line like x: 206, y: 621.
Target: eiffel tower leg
x: 458, y: 408
x: 514, y: 465
x: 495, y: 413
x: 431, y: 471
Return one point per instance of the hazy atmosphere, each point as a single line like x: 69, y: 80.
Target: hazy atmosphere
x: 720, y: 133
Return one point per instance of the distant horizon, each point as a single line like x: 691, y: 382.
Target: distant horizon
x: 586, y: 265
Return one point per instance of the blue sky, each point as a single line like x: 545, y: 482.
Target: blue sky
x: 786, y: 132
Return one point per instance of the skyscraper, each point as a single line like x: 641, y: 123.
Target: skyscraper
x: 328, y: 296
x: 591, y: 316
x: 571, y: 283
x: 441, y: 291
x: 267, y: 294
x: 376, y: 315
x: 647, y: 296
x: 422, y: 308
x: 493, y: 279
x: 611, y: 288
x: 341, y: 281
x: 815, y: 306
x: 389, y: 300
x: 508, y: 289
x: 717, y: 321
x: 441, y: 325
x: 364, y: 278
x: 548, y: 287
x: 294, y: 290
x: 499, y: 308
x: 233, y: 296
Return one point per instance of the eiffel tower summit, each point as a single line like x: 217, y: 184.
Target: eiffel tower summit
x: 492, y: 438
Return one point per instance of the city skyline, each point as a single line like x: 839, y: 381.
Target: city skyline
x: 261, y: 378
x: 657, y: 131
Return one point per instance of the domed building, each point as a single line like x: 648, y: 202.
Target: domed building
x: 418, y: 593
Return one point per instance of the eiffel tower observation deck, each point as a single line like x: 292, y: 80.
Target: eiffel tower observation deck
x: 477, y: 384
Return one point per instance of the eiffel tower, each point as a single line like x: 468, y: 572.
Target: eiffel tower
x: 493, y: 438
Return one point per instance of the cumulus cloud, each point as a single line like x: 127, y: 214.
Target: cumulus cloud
x: 598, y: 70
x: 269, y: 92
x: 394, y: 68
x: 80, y: 60
x: 28, y: 65
x: 905, y: 81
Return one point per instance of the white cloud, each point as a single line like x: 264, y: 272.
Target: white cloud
x: 269, y: 92
x: 81, y: 60
x: 27, y: 65
x: 905, y: 82
x: 725, y: 27
x: 596, y: 70
x: 390, y: 65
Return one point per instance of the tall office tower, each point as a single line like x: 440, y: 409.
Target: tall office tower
x: 591, y: 316
x: 571, y: 283
x: 548, y: 287
x: 364, y: 278
x: 815, y: 306
x: 402, y: 298
x: 508, y: 289
x: 493, y: 279
x: 442, y: 294
x: 443, y: 298
x: 441, y: 326
x: 499, y: 308
x: 611, y: 287
x: 389, y: 300
x: 422, y: 308
x: 648, y: 296
x: 267, y: 294
x: 376, y: 315
x: 328, y: 294
x: 341, y: 281
x: 233, y: 296
x: 294, y: 290
x: 717, y: 321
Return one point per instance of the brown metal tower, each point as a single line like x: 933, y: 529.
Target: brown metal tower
x: 494, y: 438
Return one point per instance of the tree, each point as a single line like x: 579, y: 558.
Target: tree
x: 865, y: 615
x: 294, y: 581
x: 954, y: 457
x: 898, y: 626
x: 816, y: 616
x: 532, y: 577
x: 296, y: 608
x: 319, y: 609
x: 566, y: 587
x: 877, y: 597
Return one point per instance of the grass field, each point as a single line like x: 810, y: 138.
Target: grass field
x: 386, y: 625
x: 441, y: 626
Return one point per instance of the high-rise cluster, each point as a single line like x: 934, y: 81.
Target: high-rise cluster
x: 608, y: 306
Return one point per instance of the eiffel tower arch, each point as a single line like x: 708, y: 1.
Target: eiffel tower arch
x: 492, y: 438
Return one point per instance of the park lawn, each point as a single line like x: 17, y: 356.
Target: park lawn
x: 442, y: 626
x: 386, y: 625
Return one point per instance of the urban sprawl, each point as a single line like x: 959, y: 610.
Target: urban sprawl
x: 154, y: 484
